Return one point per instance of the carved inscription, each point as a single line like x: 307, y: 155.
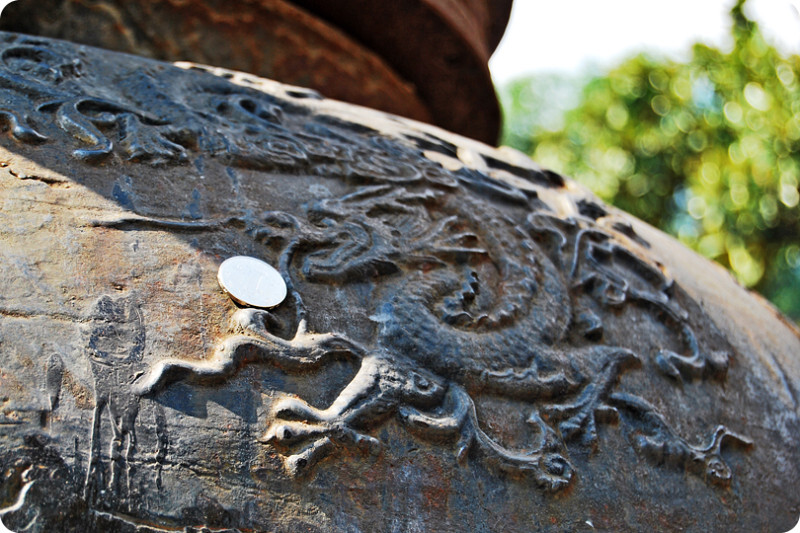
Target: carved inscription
x: 116, y: 336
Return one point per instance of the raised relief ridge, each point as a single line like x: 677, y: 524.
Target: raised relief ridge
x: 468, y: 302
x: 491, y: 278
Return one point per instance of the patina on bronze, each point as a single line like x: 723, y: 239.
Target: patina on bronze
x: 422, y: 59
x: 468, y: 342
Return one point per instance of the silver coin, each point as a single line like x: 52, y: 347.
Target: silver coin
x: 252, y: 282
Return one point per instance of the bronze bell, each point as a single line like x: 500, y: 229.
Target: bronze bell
x: 230, y: 304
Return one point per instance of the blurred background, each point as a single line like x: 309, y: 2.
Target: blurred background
x: 684, y: 113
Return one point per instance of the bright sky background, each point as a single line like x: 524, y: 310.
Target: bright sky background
x: 564, y: 35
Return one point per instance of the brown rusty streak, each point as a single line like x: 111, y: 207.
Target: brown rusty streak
x: 84, y: 399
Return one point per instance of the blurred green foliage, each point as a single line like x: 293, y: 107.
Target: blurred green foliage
x: 708, y: 150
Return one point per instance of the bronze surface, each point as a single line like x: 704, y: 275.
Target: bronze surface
x: 469, y: 341
x: 422, y: 59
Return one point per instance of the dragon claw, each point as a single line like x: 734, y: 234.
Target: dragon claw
x: 718, y: 472
x: 556, y: 472
x: 250, y: 322
x: 300, y: 463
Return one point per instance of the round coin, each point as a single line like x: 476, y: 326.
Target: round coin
x: 252, y: 282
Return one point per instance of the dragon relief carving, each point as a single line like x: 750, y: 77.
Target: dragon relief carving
x: 468, y: 302
x: 481, y: 286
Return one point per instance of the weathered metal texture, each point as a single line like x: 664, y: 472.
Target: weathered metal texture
x: 422, y: 59
x: 271, y: 38
x: 469, y: 342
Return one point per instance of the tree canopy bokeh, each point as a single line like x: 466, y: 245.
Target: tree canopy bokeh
x: 707, y: 150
